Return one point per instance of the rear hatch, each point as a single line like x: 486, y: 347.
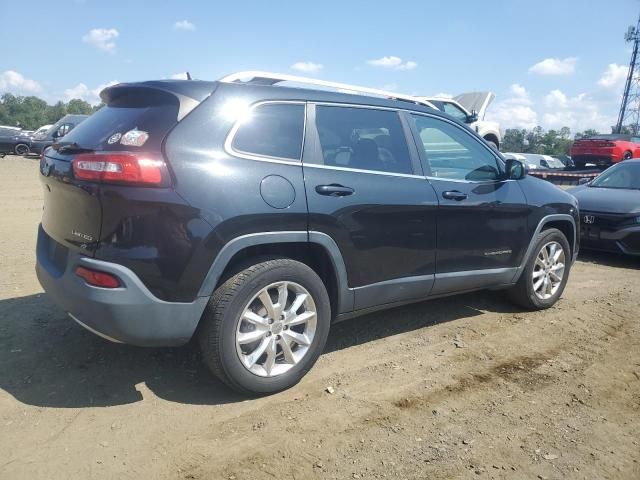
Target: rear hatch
x: 594, y: 144
x: 121, y: 143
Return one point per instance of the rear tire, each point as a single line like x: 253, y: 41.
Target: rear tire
x: 528, y: 292
x: 579, y: 164
x: 250, y: 345
x: 627, y: 156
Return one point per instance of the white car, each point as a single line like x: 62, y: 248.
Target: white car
x: 470, y: 108
x: 537, y: 161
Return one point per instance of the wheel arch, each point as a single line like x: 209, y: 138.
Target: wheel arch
x: 492, y: 137
x: 563, y: 222
x: 317, y: 250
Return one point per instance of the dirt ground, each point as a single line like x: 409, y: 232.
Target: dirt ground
x: 552, y: 394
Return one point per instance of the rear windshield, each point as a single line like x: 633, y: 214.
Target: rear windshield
x: 104, y: 129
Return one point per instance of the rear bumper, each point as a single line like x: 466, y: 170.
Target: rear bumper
x: 596, y: 159
x: 128, y: 314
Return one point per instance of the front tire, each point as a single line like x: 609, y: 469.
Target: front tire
x: 22, y: 149
x: 266, y: 326
x: 546, y: 273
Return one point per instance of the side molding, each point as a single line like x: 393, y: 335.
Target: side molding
x: 345, y: 296
x: 549, y: 218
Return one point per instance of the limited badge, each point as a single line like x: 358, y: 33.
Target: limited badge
x: 114, y: 138
x: 134, y: 138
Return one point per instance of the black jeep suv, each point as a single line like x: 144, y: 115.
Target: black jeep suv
x: 253, y: 216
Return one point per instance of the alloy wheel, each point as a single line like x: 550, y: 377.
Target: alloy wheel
x: 548, y: 270
x: 276, y: 329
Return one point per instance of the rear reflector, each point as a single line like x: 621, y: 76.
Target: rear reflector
x: 98, y: 279
x: 121, y: 167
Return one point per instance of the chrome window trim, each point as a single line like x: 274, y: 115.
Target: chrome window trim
x: 358, y: 170
x: 228, y: 143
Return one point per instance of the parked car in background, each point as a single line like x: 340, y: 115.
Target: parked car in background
x: 14, y: 141
x: 42, y: 130
x: 535, y: 161
x: 610, y: 209
x: 180, y: 209
x: 58, y: 130
x: 604, y: 150
x: 470, y: 108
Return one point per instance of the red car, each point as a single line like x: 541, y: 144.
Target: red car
x: 604, y: 150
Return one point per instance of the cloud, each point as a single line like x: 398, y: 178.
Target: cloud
x: 184, y: 25
x: 578, y: 113
x: 14, y: 82
x: 102, y: 38
x: 516, y: 111
x: 614, y: 76
x: 555, y: 99
x: 393, y: 62
x: 83, y: 92
x: 555, y: 66
x: 307, y: 67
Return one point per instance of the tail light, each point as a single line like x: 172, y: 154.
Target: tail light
x: 98, y: 279
x: 122, y: 167
x: 609, y: 144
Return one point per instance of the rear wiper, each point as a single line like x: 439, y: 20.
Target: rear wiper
x: 70, y: 147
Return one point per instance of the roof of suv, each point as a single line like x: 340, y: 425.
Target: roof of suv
x: 276, y: 92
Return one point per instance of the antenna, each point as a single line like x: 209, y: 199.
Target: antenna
x: 188, y: 76
x: 629, y: 116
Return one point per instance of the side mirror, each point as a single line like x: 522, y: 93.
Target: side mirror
x: 57, y: 134
x: 515, y: 169
x: 584, y: 181
x: 473, y: 117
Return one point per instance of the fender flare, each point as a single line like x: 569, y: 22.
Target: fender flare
x: 345, y: 295
x: 564, y: 217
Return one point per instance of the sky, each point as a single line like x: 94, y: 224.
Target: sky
x: 551, y: 63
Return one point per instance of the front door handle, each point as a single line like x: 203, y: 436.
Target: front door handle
x: 454, y: 195
x: 334, y: 190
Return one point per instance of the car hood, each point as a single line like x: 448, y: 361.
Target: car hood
x: 478, y: 101
x: 607, y: 200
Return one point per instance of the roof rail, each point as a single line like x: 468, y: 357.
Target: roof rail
x: 268, y: 78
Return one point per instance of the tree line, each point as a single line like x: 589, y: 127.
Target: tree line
x: 32, y: 112
x: 537, y: 140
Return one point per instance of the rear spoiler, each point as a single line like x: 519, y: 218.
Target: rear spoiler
x: 188, y: 94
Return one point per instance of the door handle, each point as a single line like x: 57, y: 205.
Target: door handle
x: 334, y: 190
x: 454, y: 195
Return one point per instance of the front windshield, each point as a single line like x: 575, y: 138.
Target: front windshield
x: 624, y: 175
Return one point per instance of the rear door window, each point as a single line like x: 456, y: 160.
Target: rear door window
x: 153, y: 114
x: 363, y: 139
x: 272, y: 130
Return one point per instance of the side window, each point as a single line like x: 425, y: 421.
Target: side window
x: 63, y: 130
x: 454, y: 111
x: 272, y: 130
x: 454, y: 154
x: 362, y: 138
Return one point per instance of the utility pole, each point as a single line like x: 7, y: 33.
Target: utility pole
x: 629, y: 115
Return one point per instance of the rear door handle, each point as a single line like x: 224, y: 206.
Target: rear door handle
x: 334, y: 190
x: 454, y: 195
